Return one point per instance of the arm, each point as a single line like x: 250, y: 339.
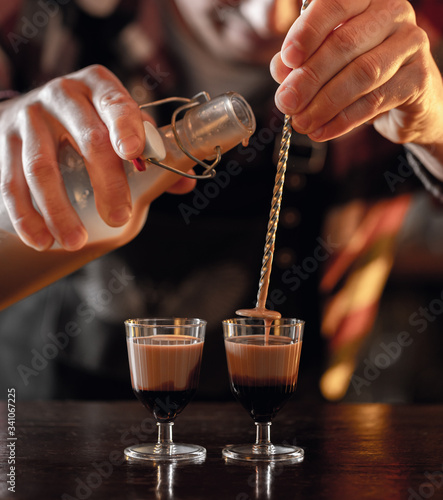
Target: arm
x: 347, y: 62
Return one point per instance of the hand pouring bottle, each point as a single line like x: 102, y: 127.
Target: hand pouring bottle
x: 208, y: 128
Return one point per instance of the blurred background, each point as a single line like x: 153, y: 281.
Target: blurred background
x: 359, y: 246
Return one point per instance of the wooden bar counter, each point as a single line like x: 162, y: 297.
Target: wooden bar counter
x: 74, y: 450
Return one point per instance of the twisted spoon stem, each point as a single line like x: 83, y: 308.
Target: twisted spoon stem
x: 274, y: 214
x: 260, y: 310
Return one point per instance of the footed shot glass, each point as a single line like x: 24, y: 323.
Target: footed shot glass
x: 263, y: 358
x: 164, y: 359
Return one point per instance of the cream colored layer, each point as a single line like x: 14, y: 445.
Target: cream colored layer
x: 263, y: 364
x: 164, y: 362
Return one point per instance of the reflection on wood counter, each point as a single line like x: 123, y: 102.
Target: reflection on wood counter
x: 74, y: 450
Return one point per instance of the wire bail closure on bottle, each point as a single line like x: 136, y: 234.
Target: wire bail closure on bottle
x: 198, y: 99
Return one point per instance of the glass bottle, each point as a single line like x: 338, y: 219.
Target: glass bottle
x: 208, y: 128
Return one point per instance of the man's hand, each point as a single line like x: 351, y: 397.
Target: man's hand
x: 347, y: 62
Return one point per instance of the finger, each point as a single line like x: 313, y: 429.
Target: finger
x: 91, y: 138
x: 118, y: 111
x: 27, y: 222
x: 371, y: 106
x: 45, y: 182
x: 363, y: 77
x: 312, y: 28
x: 279, y: 71
x: 343, y: 46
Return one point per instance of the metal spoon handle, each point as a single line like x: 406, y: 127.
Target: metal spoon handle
x: 274, y: 214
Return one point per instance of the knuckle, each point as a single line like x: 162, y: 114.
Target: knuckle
x: 9, y: 179
x: 115, y: 189
x: 310, y: 75
x: 39, y: 167
x: 116, y: 98
x: 368, y: 69
x: 27, y: 222
x: 49, y: 90
x: 375, y: 99
x: 345, y: 118
x: 94, y: 139
x: 346, y: 38
x: 329, y: 103
x: 401, y: 10
x: 9, y: 187
x: 23, y: 114
x: 113, y: 193
x: 92, y: 72
x: 51, y: 86
x: 98, y: 70
x: 59, y: 88
x: 419, y: 62
x: 120, y: 105
x: 422, y: 78
x: 58, y: 214
x: 340, y: 7
x: 420, y: 39
x: 23, y: 223
x: 29, y: 115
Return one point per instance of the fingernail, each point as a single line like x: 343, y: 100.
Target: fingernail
x: 43, y: 241
x: 120, y: 216
x: 74, y: 240
x: 317, y: 133
x: 130, y: 145
x: 287, y: 100
x: 301, y: 122
x: 139, y: 164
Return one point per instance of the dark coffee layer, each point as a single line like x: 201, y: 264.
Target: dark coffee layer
x: 165, y: 405
x: 262, y: 402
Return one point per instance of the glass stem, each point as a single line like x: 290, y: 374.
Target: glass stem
x: 164, y: 433
x: 263, y: 438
